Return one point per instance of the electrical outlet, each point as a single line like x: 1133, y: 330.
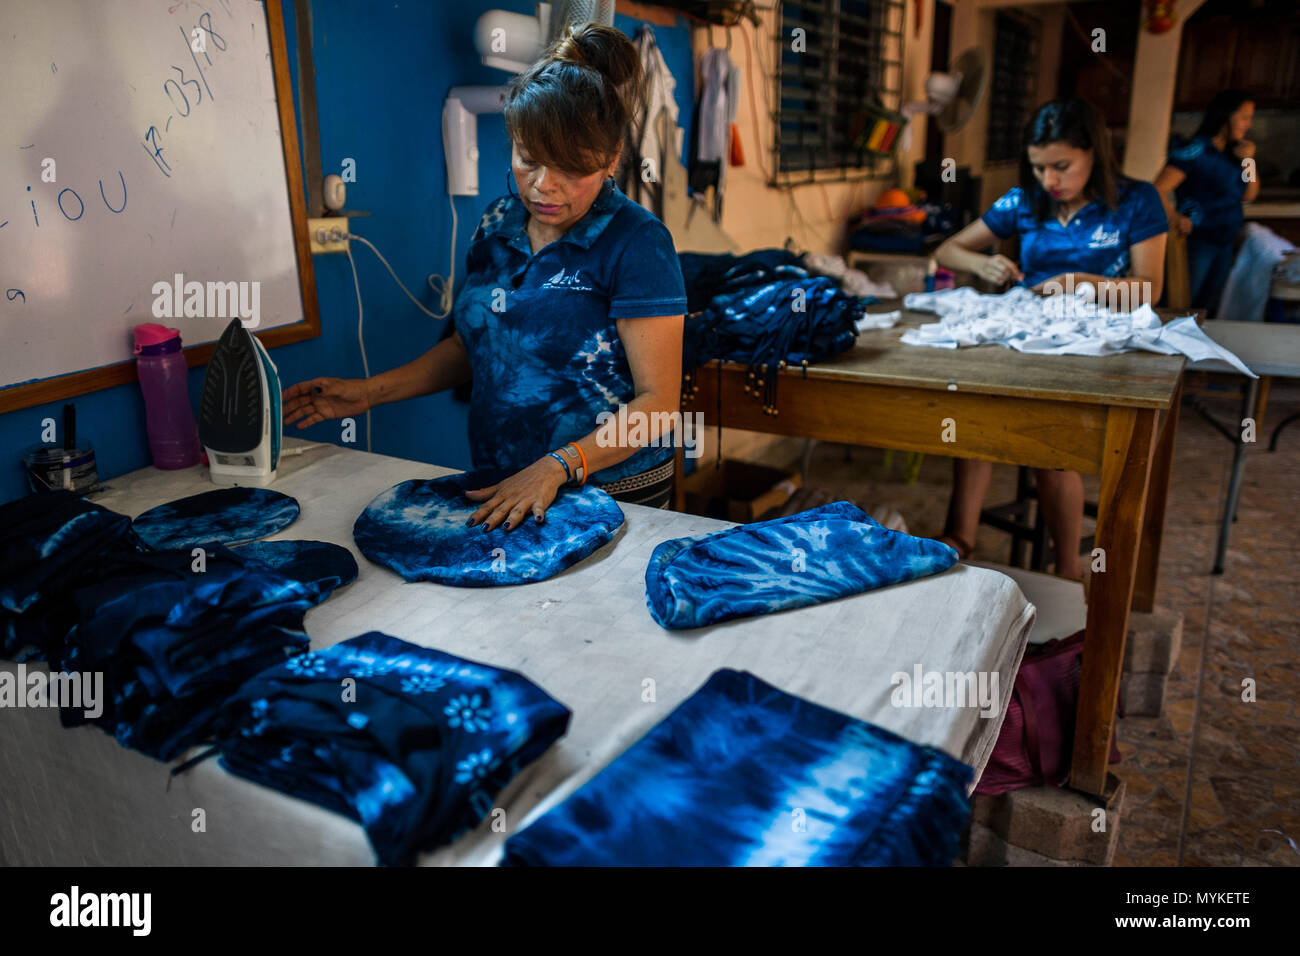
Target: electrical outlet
x: 328, y: 235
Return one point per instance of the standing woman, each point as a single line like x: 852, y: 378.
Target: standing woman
x: 573, y: 303
x: 1077, y: 218
x: 1205, y: 176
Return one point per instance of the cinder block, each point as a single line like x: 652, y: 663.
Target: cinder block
x: 985, y: 848
x: 1154, y: 640
x: 1045, y: 826
x: 1142, y: 695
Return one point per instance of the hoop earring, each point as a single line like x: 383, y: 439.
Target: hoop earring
x: 510, y: 184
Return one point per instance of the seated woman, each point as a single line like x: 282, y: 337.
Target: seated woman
x: 1205, y: 177
x: 1078, y: 221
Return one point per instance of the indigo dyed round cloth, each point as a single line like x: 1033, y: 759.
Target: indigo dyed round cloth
x: 418, y: 529
x: 228, y: 516
x: 319, y: 563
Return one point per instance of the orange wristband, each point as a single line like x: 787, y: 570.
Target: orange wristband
x: 582, y: 455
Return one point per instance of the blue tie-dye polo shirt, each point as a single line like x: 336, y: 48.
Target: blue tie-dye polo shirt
x: 1096, y: 240
x: 1210, y: 195
x: 540, y: 329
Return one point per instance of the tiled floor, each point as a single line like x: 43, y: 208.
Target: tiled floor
x: 1211, y: 779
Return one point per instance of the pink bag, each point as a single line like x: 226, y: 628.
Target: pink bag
x: 1037, y: 737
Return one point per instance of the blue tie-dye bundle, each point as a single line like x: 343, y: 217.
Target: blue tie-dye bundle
x: 416, y: 753
x: 763, y: 310
x: 744, y: 774
x: 322, y: 565
x: 229, y: 516
x: 419, y: 530
x: 174, y: 641
x: 45, y: 541
x: 801, y: 559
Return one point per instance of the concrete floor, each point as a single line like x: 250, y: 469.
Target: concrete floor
x: 1211, y: 779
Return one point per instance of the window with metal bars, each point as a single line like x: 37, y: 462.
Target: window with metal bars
x: 839, y: 79
x: 1014, y: 86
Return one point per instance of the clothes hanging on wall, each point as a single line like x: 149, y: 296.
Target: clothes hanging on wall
x: 1055, y: 325
x: 719, y: 100
x: 816, y: 555
x: 647, y: 150
x: 416, y: 755
x: 419, y: 530
x: 744, y: 774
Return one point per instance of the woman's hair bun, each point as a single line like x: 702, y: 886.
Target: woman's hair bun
x: 601, y: 48
x: 572, y: 108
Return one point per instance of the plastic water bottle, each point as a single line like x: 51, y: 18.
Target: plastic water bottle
x: 173, y: 435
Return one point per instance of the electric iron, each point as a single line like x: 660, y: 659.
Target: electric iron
x: 240, y: 420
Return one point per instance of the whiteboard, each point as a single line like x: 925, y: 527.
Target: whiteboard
x: 166, y: 160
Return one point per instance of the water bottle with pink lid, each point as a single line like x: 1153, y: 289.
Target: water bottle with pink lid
x: 173, y: 435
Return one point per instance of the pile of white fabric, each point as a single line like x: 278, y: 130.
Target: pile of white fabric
x: 1056, y: 325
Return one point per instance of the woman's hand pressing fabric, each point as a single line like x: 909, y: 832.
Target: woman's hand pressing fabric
x: 526, y: 492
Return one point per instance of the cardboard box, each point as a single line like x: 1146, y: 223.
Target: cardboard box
x: 738, y: 491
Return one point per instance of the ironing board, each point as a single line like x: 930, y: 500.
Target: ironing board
x: 74, y: 797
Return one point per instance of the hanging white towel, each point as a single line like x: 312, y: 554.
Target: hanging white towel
x: 660, y: 100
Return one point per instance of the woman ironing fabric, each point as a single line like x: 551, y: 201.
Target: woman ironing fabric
x: 1078, y: 221
x: 573, y: 303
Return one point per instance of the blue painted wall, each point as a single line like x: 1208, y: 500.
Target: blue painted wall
x: 382, y: 72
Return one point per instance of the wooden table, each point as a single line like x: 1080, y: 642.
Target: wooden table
x: 1113, y: 416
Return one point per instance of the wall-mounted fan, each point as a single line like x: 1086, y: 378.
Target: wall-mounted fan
x: 952, y: 97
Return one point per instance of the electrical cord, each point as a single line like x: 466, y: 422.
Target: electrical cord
x: 361, y: 341
x: 442, y: 288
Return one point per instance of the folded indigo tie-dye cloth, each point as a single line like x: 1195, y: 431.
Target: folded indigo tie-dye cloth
x: 419, y: 530
x: 415, y: 749
x: 229, y: 516
x: 175, y: 643
x: 744, y: 774
x: 45, y: 541
x: 801, y: 559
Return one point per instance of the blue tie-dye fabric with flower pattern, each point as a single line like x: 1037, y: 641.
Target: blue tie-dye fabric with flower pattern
x: 801, y: 559
x: 541, y: 328
x: 416, y: 753
x: 228, y: 516
x: 419, y: 530
x: 744, y: 774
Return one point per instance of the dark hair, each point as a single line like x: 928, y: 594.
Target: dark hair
x: 1224, y: 104
x: 571, y: 109
x: 1079, y: 124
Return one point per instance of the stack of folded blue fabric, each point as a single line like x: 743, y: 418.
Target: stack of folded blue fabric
x: 744, y: 774
x: 763, y: 311
x: 174, y: 643
x: 174, y: 635
x: 46, y: 540
x: 412, y: 743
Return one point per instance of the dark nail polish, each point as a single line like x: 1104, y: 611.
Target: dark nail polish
x: 506, y: 526
x: 485, y: 527
x: 469, y: 522
x: 538, y: 519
